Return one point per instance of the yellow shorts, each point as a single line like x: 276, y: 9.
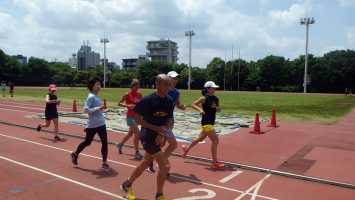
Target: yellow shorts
x: 208, y: 128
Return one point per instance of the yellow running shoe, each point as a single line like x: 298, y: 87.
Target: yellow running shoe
x: 127, y: 188
x: 160, y: 197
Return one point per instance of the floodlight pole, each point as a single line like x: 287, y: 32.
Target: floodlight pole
x: 306, y: 21
x: 189, y: 33
x: 238, y: 69
x: 104, y: 40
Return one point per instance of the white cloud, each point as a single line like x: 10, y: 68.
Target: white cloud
x: 56, y: 28
x: 290, y: 16
x: 346, y: 3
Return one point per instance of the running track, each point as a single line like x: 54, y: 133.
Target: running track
x: 33, y: 166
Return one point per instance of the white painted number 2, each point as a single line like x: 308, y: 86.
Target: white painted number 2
x: 210, y: 194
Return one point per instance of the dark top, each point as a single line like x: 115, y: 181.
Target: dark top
x: 11, y: 86
x: 51, y: 108
x: 209, y: 107
x: 156, y: 111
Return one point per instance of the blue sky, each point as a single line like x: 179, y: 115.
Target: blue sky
x: 54, y: 29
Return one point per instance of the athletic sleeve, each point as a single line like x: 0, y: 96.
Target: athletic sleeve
x: 88, y: 105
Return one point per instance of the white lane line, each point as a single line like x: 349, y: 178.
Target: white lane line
x: 19, y: 111
x: 128, y: 165
x: 10, y: 103
x: 30, y: 108
x: 64, y: 178
x: 230, y: 176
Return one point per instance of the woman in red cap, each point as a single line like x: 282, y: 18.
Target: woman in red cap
x: 51, y: 112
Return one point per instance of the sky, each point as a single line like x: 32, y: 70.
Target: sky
x: 55, y: 29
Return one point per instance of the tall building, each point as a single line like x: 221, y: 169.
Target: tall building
x: 22, y: 59
x: 73, y: 62
x: 86, y: 58
x: 133, y: 63
x: 163, y: 50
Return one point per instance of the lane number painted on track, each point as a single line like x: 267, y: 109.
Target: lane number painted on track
x: 252, y: 191
x: 229, y: 177
x: 210, y: 194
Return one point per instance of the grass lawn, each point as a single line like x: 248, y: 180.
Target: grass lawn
x: 318, y: 108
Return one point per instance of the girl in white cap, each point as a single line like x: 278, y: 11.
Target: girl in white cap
x: 51, y: 112
x: 210, y: 105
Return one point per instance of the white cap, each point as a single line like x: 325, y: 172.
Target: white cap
x: 211, y: 84
x: 173, y: 74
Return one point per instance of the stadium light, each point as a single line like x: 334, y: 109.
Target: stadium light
x: 306, y: 21
x: 104, y: 40
x: 189, y: 33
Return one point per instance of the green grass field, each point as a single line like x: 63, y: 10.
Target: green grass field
x: 317, y: 108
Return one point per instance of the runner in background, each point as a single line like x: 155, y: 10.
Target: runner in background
x: 3, y: 88
x: 95, y: 124
x: 210, y: 105
x: 131, y: 98
x: 51, y: 112
x: 12, y: 87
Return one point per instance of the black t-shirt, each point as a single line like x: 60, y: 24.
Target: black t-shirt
x: 51, y: 108
x: 155, y: 110
x: 209, y: 107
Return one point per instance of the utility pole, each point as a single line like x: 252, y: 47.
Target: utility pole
x: 189, y: 33
x: 306, y: 21
x: 238, y: 68
x: 104, y: 40
x: 225, y: 68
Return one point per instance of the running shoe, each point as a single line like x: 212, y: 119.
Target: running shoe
x: 105, y: 167
x: 217, y: 164
x: 39, y: 128
x: 127, y: 188
x: 138, y: 156
x: 56, y: 138
x: 160, y: 197
x: 119, y: 146
x: 151, y: 168
x: 184, y: 151
x: 74, y: 158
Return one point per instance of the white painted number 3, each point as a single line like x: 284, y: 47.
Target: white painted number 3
x: 210, y: 194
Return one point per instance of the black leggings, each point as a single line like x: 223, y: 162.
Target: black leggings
x: 90, y: 134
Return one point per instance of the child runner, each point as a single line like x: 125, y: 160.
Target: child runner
x: 154, y: 114
x: 174, y: 93
x: 3, y: 88
x: 210, y: 105
x: 131, y: 98
x: 51, y: 112
x: 95, y: 124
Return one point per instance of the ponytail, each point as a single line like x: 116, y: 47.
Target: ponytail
x: 204, y: 91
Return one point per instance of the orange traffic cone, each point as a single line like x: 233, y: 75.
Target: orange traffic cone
x: 273, y: 119
x: 256, y: 125
x: 74, y: 106
x: 104, y: 103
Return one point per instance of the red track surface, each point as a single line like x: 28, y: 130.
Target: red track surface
x: 33, y: 166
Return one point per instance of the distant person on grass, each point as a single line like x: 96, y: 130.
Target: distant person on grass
x: 95, y: 123
x: 51, y: 113
x: 210, y: 105
x: 12, y: 87
x: 154, y: 114
x: 129, y: 100
x: 3, y: 88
